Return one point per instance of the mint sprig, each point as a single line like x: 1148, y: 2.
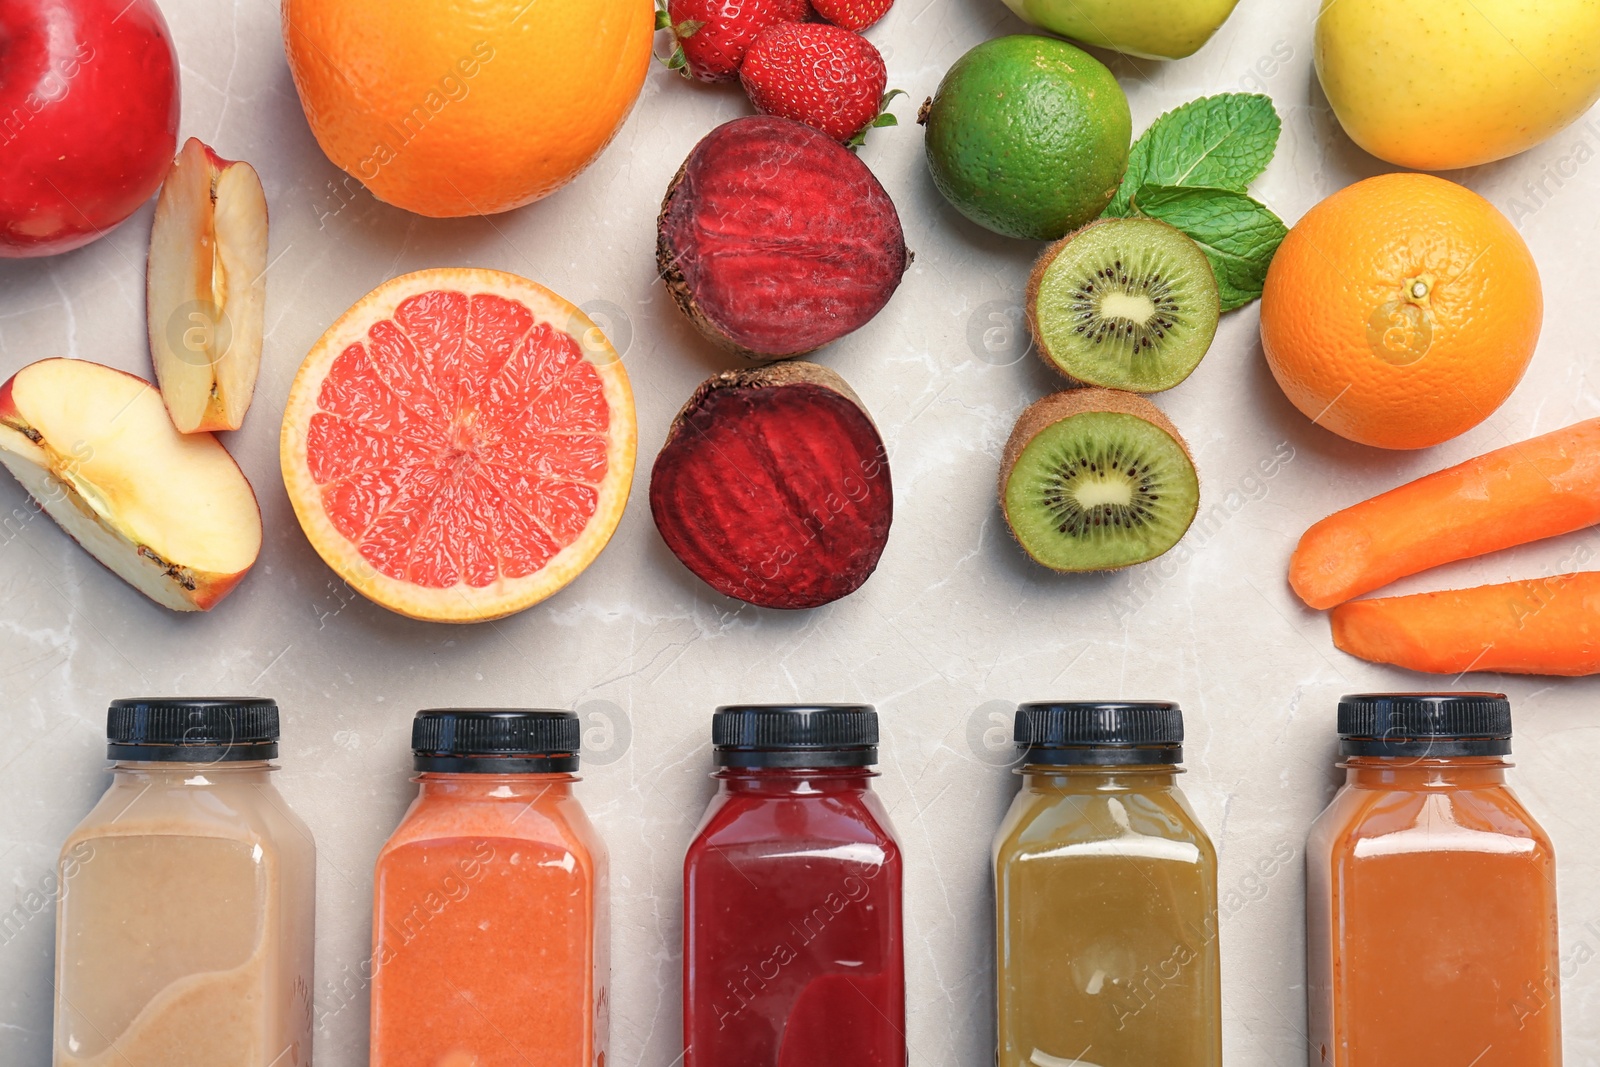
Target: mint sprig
x: 1216, y: 142
x: 1238, y: 234
x: 1192, y: 169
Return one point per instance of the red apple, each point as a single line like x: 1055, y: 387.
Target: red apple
x: 88, y: 118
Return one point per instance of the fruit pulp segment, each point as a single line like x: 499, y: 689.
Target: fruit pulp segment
x: 103, y: 435
x: 1129, y: 304
x: 1101, y: 489
x: 463, y: 442
x: 206, y: 288
x: 1136, y: 308
x: 239, y: 220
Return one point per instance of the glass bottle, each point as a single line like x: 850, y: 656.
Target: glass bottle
x: 1431, y: 894
x: 1106, y: 896
x: 490, y: 902
x: 793, y: 953
x: 184, y: 929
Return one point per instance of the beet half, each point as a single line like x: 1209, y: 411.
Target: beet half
x: 774, y: 239
x: 773, y: 486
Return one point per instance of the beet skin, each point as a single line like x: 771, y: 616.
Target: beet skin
x: 775, y: 239
x: 773, y: 487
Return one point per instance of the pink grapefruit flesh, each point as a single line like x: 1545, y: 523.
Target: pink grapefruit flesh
x: 460, y: 444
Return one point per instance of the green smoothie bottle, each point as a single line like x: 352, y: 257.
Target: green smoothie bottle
x: 1106, y: 896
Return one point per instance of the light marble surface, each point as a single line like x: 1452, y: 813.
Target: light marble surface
x: 955, y: 624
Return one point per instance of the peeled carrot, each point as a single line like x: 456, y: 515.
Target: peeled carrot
x: 1539, y: 488
x: 1539, y: 626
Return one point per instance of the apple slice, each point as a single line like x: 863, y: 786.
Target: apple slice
x: 169, y: 513
x: 206, y: 288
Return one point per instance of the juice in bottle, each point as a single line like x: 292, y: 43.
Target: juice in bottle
x: 1431, y: 895
x: 1106, y: 896
x: 792, y: 914
x: 184, y: 928
x: 490, y: 923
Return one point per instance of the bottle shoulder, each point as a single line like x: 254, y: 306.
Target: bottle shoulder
x: 555, y: 821
x: 1040, y: 822
x: 242, y: 807
x: 1364, y: 822
x: 248, y: 812
x: 736, y: 824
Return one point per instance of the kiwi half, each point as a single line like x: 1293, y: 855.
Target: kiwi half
x: 1097, y: 479
x: 1124, y: 304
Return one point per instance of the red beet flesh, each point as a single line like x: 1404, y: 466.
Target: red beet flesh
x: 773, y: 487
x: 775, y: 239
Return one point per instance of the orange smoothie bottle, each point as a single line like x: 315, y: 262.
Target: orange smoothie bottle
x: 489, y: 927
x: 1431, y: 895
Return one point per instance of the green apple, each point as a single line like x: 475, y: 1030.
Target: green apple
x: 1155, y: 29
x: 1454, y: 83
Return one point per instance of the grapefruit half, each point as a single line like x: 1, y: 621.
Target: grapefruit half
x: 460, y: 444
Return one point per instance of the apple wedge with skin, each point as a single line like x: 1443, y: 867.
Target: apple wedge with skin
x: 171, y: 514
x: 206, y: 288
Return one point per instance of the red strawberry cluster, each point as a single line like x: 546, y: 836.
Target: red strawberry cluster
x: 824, y: 74
x: 712, y: 35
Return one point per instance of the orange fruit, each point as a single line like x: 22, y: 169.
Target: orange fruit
x: 460, y: 444
x: 1401, y: 311
x: 466, y: 107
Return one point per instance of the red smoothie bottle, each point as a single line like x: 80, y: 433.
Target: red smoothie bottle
x: 793, y: 955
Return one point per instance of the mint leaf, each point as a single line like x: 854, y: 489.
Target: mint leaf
x: 1239, y: 235
x: 1216, y: 142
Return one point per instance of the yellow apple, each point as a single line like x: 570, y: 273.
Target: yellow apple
x: 1444, y: 84
x: 169, y: 513
x: 1154, y: 29
x: 206, y: 288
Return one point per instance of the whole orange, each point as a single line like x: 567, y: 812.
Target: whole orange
x: 466, y: 107
x: 1401, y: 311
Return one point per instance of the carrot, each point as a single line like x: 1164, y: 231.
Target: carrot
x: 1539, y: 626
x: 1539, y: 488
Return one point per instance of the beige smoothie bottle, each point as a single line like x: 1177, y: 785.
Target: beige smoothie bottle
x: 183, y: 934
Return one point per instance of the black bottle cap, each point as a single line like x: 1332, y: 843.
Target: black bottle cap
x: 1103, y: 733
x: 192, y: 730
x: 1424, y: 725
x: 496, y: 741
x: 795, y: 735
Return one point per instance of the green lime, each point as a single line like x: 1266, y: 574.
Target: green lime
x: 1028, y: 136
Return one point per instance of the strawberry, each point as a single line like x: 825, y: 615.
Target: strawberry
x: 817, y: 74
x: 710, y: 36
x: 853, y: 14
